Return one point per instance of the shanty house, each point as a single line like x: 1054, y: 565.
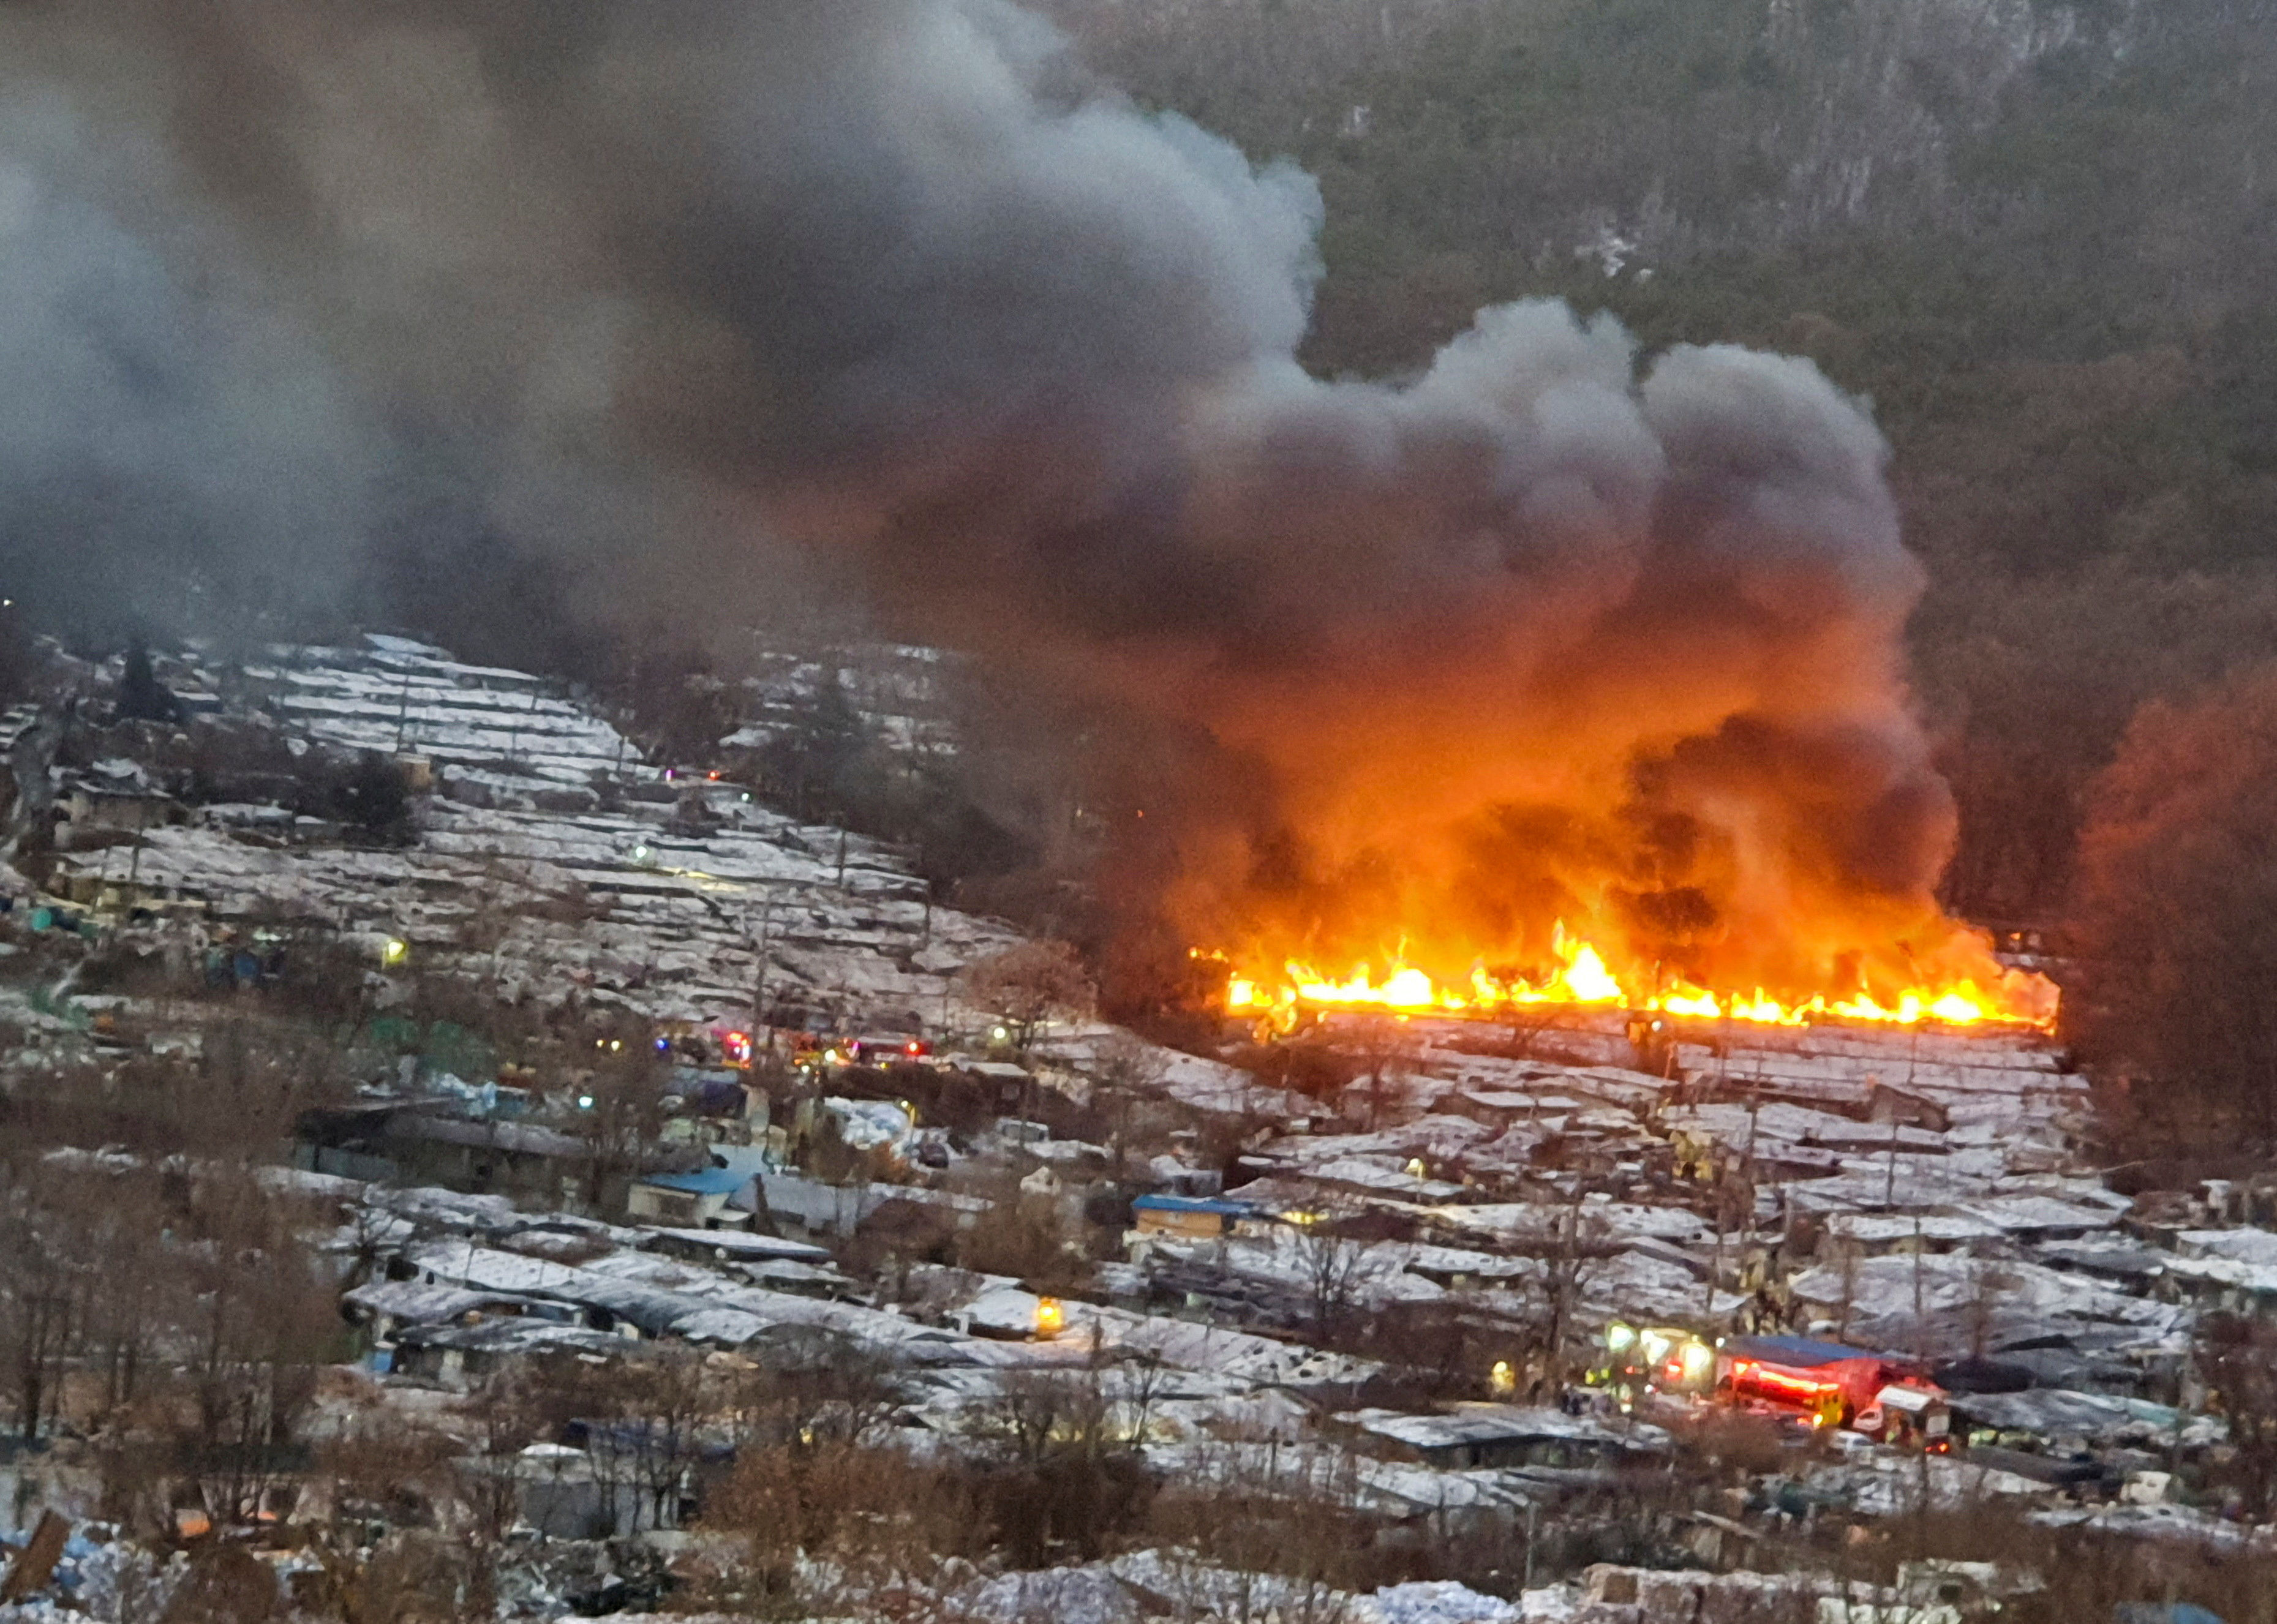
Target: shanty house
x: 386, y: 1307
x: 104, y: 803
x: 2062, y: 1422
x: 731, y: 1247
x: 1500, y: 1108
x: 1187, y: 1217
x: 1879, y: 1234
x: 454, y: 1354
x: 1472, y: 1436
x: 689, y: 1201
x: 427, y: 1143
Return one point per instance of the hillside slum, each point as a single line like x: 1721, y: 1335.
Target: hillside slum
x: 1561, y: 1319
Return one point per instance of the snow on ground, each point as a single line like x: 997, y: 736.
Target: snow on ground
x: 1435, y: 1601
x: 620, y: 907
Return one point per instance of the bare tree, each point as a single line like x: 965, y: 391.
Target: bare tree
x: 2176, y: 917
x: 1143, y: 1375
x: 1023, y: 1236
x: 1028, y: 986
x: 1037, y: 1411
x: 2236, y: 1358
x: 1386, y: 1056
x: 260, y: 1323
x: 49, y: 1275
x: 1252, y: 1534
x: 838, y: 1529
x: 620, y: 1115
x: 1332, y: 1266
x: 1570, y: 1248
x: 807, y: 1385
x: 1126, y: 1070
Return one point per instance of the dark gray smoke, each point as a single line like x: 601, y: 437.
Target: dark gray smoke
x: 678, y: 280
x: 160, y: 447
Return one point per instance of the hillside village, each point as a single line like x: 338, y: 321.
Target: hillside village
x: 667, y: 1157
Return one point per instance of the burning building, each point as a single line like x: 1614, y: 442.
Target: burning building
x: 1557, y: 673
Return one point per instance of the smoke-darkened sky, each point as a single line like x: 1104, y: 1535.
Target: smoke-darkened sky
x: 672, y: 290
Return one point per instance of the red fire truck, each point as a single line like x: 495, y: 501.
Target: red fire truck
x: 1825, y: 1380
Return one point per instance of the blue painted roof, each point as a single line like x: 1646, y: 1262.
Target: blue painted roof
x: 1193, y: 1203
x: 711, y: 1181
x: 1799, y: 1352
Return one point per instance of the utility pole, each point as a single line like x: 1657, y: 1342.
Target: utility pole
x: 1921, y: 1327
x: 402, y: 710
x: 760, y: 981
x: 135, y: 869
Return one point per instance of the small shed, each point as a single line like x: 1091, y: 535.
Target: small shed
x: 693, y: 1200
x: 1471, y: 1436
x: 1187, y: 1217
x: 386, y: 1307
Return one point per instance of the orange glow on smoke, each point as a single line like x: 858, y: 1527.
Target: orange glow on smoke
x: 1986, y: 995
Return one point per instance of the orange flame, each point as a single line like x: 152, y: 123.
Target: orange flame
x: 1582, y: 979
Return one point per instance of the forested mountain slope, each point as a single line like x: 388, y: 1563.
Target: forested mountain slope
x: 2041, y: 238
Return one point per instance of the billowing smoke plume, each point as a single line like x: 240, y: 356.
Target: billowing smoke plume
x: 1543, y: 633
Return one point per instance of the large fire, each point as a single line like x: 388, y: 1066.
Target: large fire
x: 1579, y: 978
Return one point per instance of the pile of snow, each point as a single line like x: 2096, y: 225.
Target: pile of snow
x: 1434, y: 1601
x: 1055, y: 1595
x: 870, y: 1124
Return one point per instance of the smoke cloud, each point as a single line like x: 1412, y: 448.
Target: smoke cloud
x: 1548, y: 632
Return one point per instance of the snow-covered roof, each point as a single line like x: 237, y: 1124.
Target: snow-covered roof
x: 2026, y: 1213
x: 1502, y: 1423
x: 2095, y: 1419
x: 1876, y: 1228
x: 2242, y: 1246
x: 742, y: 1246
x: 2011, y: 1299
x: 409, y: 1302
x: 513, y: 1337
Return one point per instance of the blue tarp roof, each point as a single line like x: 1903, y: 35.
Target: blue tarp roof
x: 1193, y: 1203
x: 711, y: 1181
